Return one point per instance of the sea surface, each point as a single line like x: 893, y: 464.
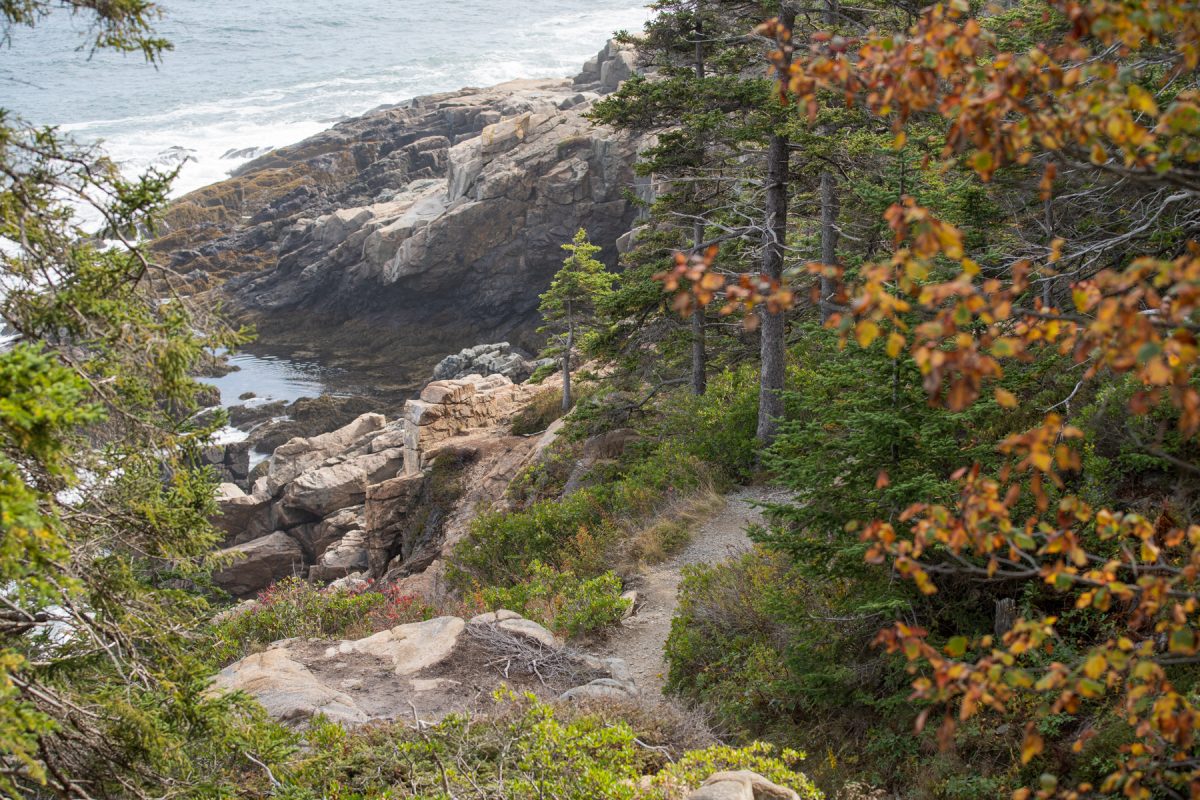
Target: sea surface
x: 245, y: 77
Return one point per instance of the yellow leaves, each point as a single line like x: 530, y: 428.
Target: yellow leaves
x: 899, y: 141
x: 1019, y: 678
x: 1031, y: 745
x: 1006, y: 347
x: 1082, y: 298
x: 1095, y: 666
x: 1005, y: 398
x: 916, y: 269
x: 950, y: 240
x: 866, y: 332
x: 1056, y: 247
x: 984, y: 163
x: 1141, y: 100
x: 1182, y: 641
x: 1116, y: 127
x: 895, y: 344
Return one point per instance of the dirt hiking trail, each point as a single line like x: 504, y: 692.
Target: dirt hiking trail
x: 640, y: 638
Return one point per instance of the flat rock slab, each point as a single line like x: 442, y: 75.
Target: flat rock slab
x: 428, y: 669
x: 409, y: 648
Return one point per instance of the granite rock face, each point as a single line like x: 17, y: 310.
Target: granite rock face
x: 259, y: 563
x: 358, y: 498
x: 423, y: 227
x: 741, y: 785
x: 500, y: 358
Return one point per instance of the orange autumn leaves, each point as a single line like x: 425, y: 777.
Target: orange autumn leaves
x: 1074, y: 102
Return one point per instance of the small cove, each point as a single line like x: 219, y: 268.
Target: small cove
x: 271, y: 377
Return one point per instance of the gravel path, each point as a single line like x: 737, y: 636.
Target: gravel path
x: 640, y: 639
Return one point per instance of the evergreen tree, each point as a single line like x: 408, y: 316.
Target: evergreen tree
x: 103, y: 511
x: 702, y: 84
x: 569, y: 305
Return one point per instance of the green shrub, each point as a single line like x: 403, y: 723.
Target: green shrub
x: 526, y: 748
x: 541, y: 410
x: 718, y: 429
x: 542, y: 372
x: 725, y: 647
x: 561, y: 601
x: 499, y: 545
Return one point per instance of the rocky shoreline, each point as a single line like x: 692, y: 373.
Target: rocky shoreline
x: 422, y: 228
x: 366, y: 496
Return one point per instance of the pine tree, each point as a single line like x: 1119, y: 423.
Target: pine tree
x: 569, y: 305
x: 103, y: 512
x: 698, y: 100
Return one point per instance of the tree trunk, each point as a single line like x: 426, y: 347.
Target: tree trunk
x: 771, y: 354
x: 1005, y: 617
x: 829, y: 241
x: 832, y: 12
x: 566, y: 362
x: 699, y: 356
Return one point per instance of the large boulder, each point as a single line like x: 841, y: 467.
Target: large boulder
x: 232, y: 461
x: 242, y: 516
x: 500, y: 358
x: 293, y: 458
x: 409, y: 648
x: 329, y: 531
x: 432, y: 668
x: 287, y: 689
x: 609, y: 68
x: 347, y: 555
x: 323, y: 490
x: 388, y: 513
x: 259, y: 563
x: 741, y: 785
x: 601, y: 689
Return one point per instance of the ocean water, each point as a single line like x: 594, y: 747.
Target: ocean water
x: 248, y: 76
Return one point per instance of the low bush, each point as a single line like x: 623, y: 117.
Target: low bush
x: 526, y: 748
x: 542, y: 372
x: 500, y: 545
x: 577, y: 532
x: 776, y: 653
x: 562, y: 601
x: 726, y: 647
x: 541, y: 410
x: 717, y: 429
x: 296, y: 608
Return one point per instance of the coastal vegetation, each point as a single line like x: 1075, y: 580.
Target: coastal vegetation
x: 929, y: 273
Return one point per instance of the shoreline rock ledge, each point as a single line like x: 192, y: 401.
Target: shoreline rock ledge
x: 362, y: 498
x: 421, y: 228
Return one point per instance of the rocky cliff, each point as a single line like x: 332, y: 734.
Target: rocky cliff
x: 418, y: 229
x: 376, y: 495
